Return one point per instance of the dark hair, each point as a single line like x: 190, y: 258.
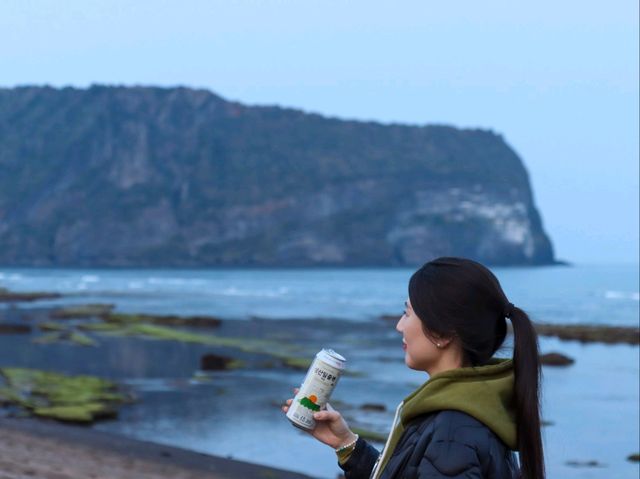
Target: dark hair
x: 458, y: 297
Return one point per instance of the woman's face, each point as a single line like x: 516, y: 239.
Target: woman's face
x: 420, y: 352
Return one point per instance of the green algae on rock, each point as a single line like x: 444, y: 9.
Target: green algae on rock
x: 148, y: 326
x: 51, y: 326
x: 83, y: 399
x: 81, y: 339
x: 100, y: 327
x: 301, y: 364
x: 63, y: 336
x: 187, y: 321
x: 77, y: 413
x: 243, y: 344
x: 288, y: 355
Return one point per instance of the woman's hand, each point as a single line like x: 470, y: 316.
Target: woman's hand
x: 331, y: 428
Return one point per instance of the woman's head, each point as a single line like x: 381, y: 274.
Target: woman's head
x: 461, y: 303
x: 424, y: 350
x: 460, y: 307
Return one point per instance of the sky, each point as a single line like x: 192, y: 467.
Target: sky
x: 559, y: 80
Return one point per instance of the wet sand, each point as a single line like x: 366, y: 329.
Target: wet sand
x: 36, y: 449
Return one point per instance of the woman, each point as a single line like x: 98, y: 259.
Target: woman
x: 475, y: 410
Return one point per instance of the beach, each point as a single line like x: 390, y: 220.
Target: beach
x: 48, y: 450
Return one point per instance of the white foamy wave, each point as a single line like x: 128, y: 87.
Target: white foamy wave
x: 10, y: 277
x: 631, y: 295
x: 90, y: 278
x: 233, y: 291
x: 361, y: 302
x: 175, y: 281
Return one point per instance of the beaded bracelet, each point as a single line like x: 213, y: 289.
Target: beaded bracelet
x: 347, y: 446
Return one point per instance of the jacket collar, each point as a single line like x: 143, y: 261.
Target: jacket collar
x: 484, y: 392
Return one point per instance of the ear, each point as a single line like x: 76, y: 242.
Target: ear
x: 441, y: 341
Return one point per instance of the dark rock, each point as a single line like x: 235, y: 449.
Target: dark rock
x: 634, y: 457
x: 214, y: 362
x: 148, y: 176
x: 14, y: 328
x: 556, y: 359
x: 82, y: 311
x: 591, y: 463
x: 189, y: 321
x: 373, y: 407
x: 7, y: 296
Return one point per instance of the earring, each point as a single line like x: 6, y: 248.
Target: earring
x: 439, y: 345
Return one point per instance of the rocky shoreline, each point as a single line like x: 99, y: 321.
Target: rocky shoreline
x: 245, y: 345
x: 84, y: 324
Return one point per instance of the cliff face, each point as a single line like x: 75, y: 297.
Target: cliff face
x: 115, y: 176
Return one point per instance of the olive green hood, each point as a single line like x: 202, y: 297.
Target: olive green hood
x: 484, y: 392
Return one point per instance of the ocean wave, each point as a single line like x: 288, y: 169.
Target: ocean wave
x: 233, y: 291
x: 363, y: 301
x: 11, y: 277
x: 90, y: 278
x: 630, y: 295
x: 175, y: 281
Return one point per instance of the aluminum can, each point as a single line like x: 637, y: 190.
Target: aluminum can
x: 314, y: 393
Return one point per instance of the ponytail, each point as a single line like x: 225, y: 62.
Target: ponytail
x: 527, y: 371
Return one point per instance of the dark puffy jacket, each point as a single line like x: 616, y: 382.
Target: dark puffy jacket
x: 442, y: 444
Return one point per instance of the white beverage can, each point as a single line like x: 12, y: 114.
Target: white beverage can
x: 319, y: 383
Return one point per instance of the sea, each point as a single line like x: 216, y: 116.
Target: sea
x: 591, y: 408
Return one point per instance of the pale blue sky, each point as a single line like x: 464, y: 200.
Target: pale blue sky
x: 558, y: 79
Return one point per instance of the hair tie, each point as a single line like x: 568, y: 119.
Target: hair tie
x: 508, y: 310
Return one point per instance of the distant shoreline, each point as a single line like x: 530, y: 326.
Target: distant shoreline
x: 250, y: 267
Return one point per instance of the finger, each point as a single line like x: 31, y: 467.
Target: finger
x: 295, y: 390
x: 288, y: 402
x: 326, y: 415
x: 285, y: 408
